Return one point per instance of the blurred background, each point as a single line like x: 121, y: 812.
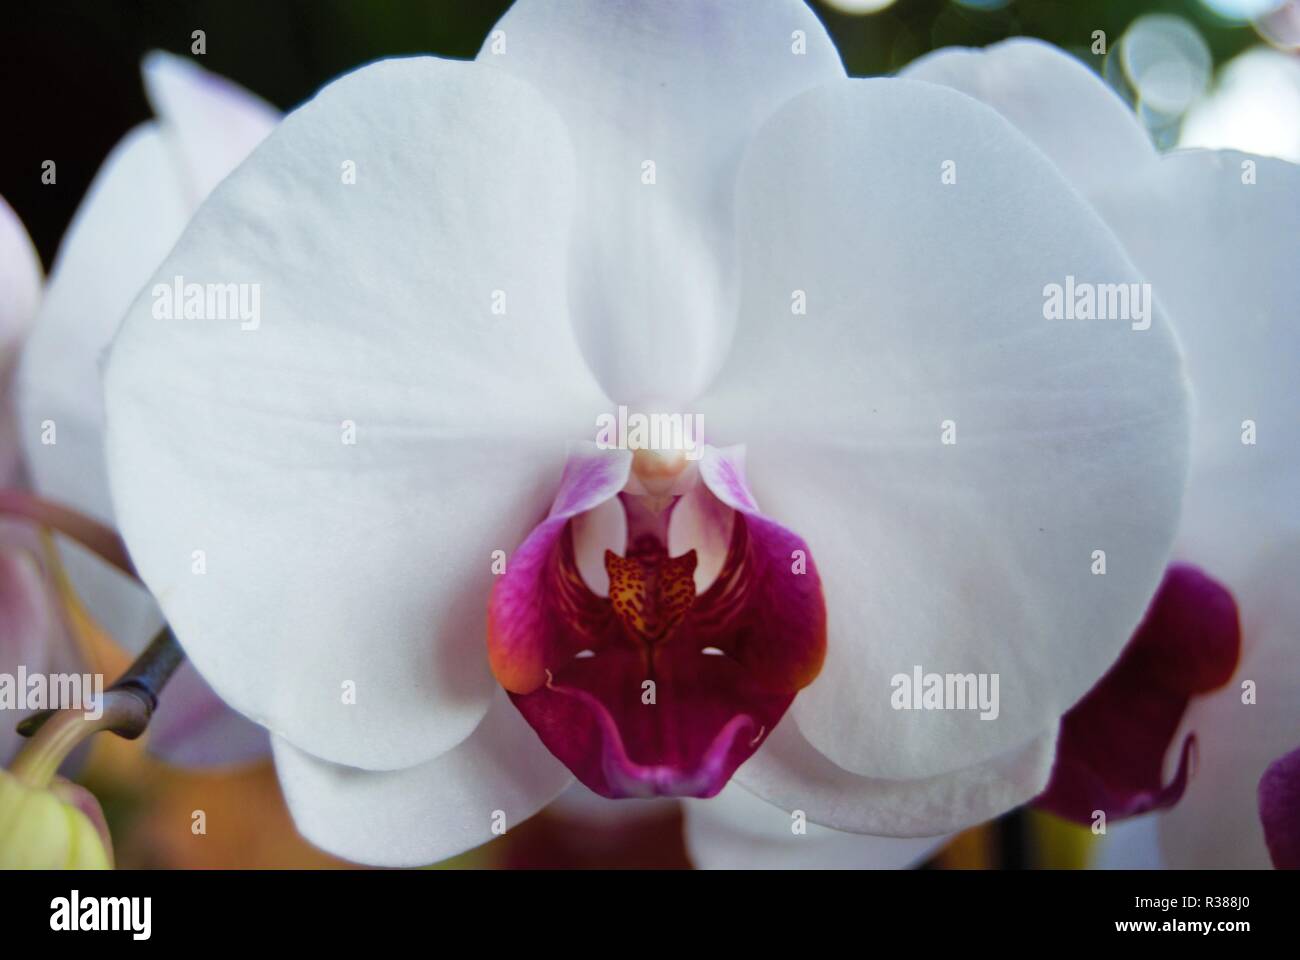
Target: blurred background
x: 1213, y: 73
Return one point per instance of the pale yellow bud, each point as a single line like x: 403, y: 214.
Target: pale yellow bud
x: 56, y: 827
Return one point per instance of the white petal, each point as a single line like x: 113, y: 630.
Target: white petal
x: 133, y: 213
x: 135, y: 210
x: 703, y: 523
x: 1221, y: 256
x: 602, y: 528
x: 443, y: 807
x: 1216, y: 824
x: 20, y: 278
x: 790, y: 773
x: 737, y: 831
x: 681, y: 85
x: 212, y: 124
x: 335, y: 567
x: 20, y: 292
x: 925, y: 308
x: 1213, y: 246
x: 1052, y: 98
x: 1215, y: 235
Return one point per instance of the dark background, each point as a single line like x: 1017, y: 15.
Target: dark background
x: 72, y: 89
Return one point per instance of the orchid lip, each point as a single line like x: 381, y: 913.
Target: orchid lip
x: 663, y: 687
x: 629, y: 779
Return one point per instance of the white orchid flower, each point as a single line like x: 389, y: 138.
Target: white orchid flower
x: 1215, y: 233
x: 682, y: 208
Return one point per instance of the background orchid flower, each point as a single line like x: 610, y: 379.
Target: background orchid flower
x: 26, y: 617
x: 20, y: 294
x: 1255, y: 107
x: 649, y: 188
x: 1215, y: 234
x: 137, y: 206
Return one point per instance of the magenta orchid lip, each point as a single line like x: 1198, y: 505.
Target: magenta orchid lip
x: 663, y: 683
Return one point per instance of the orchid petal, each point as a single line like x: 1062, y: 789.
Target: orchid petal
x: 792, y: 774
x: 213, y: 123
x: 20, y: 278
x: 498, y: 777
x: 1053, y: 99
x: 602, y: 528
x: 737, y: 831
x: 342, y: 571
x: 133, y: 213
x: 652, y: 276
x: 135, y: 210
x: 1215, y: 234
x: 970, y: 557
x: 20, y: 283
x: 703, y: 523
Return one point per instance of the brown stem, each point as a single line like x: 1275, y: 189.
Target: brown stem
x: 142, y: 682
x: 99, y: 539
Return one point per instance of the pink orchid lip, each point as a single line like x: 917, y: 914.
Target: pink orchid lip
x: 625, y: 778
x: 657, y: 689
x: 1111, y: 750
